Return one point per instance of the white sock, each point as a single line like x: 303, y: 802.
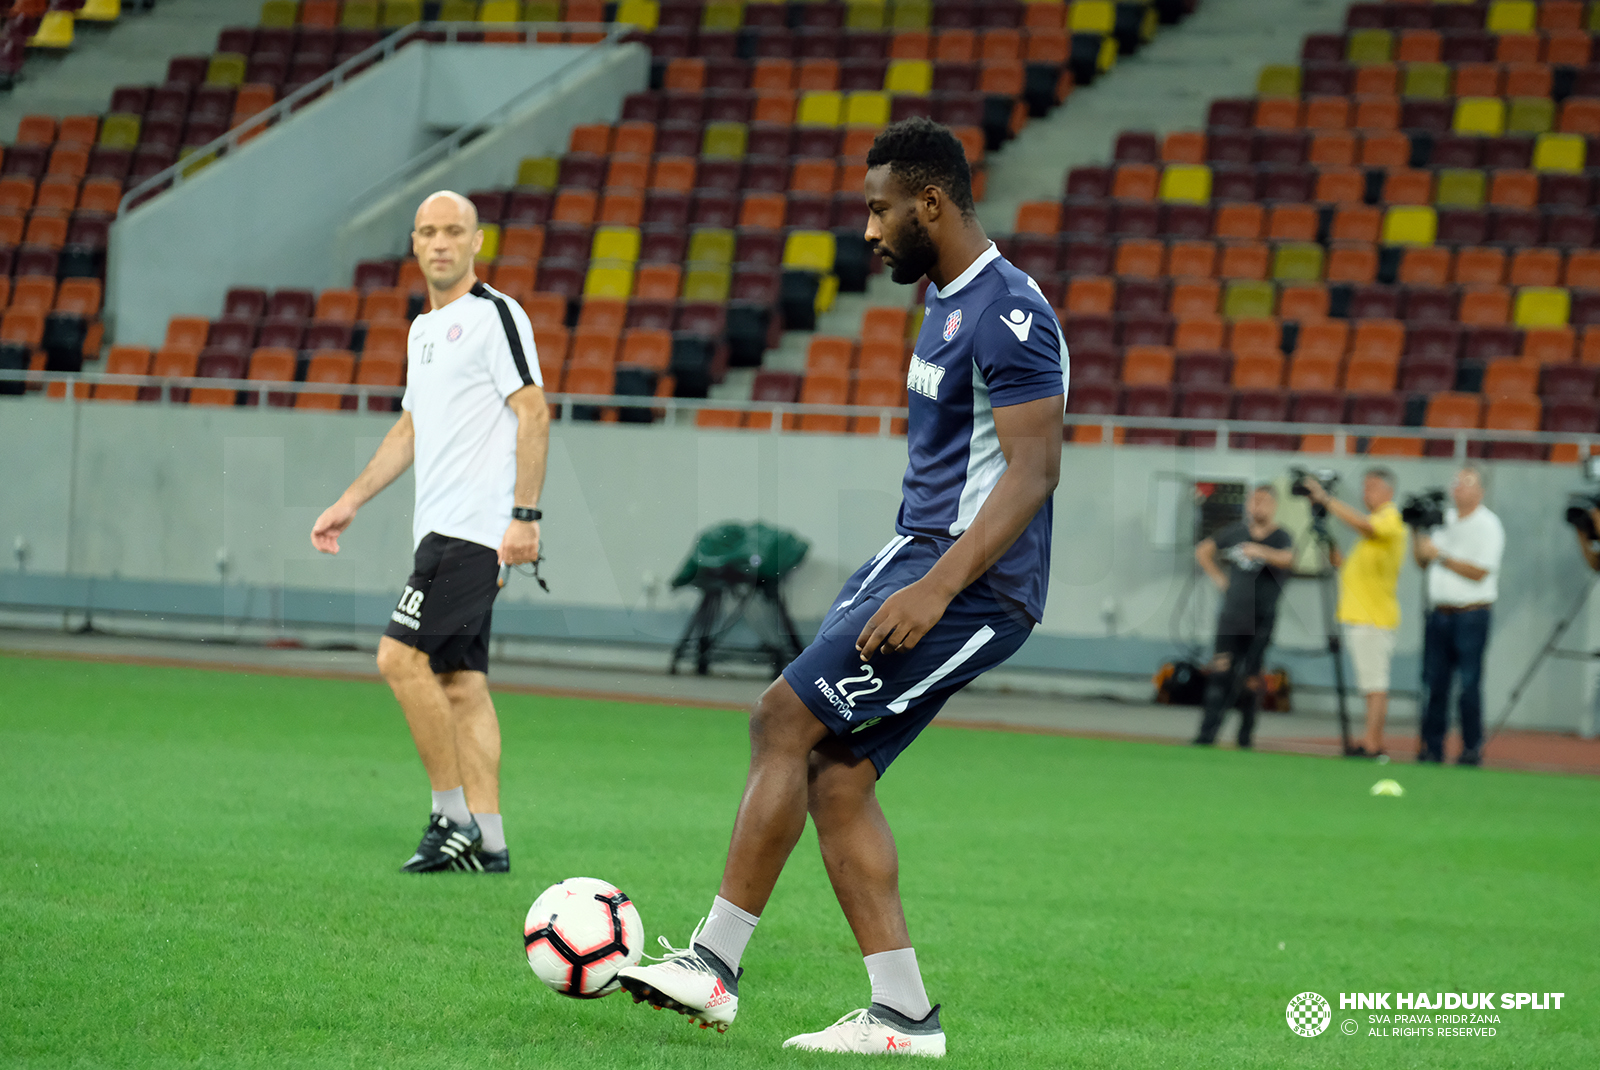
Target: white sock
x: 727, y: 930
x: 897, y: 983
x: 453, y: 804
x: 494, y: 833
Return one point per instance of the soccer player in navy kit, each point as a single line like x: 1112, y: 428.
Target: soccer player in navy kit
x: 954, y: 593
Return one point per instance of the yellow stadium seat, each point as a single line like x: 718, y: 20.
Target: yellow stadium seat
x: 1092, y: 16
x: 491, y: 242
x: 1366, y: 47
x: 1278, y: 80
x: 711, y: 245
x: 55, y: 31
x: 866, y: 15
x: 722, y: 15
x: 541, y: 172
x: 1187, y: 183
x: 1542, y: 306
x: 911, y: 76
x: 616, y: 243
x: 359, y: 15
x: 1297, y: 262
x: 397, y: 13
x: 458, y: 11
x: 726, y: 139
x: 866, y: 108
x: 1459, y: 188
x: 1512, y: 16
x: 809, y: 250
x: 1560, y: 152
x: 226, y: 68
x: 823, y: 107
x: 609, y: 278
x: 492, y: 11
x: 1410, y: 224
x: 119, y: 131
x: 100, y: 11
x: 644, y: 14
x: 827, y: 290
x: 1531, y: 115
x: 279, y: 13
x: 1246, y: 299
x: 911, y: 14
x: 541, y: 11
x: 706, y: 284
x: 1480, y: 115
x: 1430, y: 81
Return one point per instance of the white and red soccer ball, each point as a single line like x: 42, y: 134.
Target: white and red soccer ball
x: 579, y: 934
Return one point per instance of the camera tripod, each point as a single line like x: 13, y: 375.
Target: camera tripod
x: 1546, y: 651
x: 1326, y: 576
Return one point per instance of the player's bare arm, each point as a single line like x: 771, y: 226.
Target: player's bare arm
x: 1205, y: 555
x: 394, y: 456
x: 1030, y: 438
x: 521, y: 543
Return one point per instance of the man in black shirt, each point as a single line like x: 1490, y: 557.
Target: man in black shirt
x: 1256, y: 555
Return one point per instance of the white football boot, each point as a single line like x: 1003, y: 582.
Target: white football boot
x: 683, y: 981
x: 877, y: 1030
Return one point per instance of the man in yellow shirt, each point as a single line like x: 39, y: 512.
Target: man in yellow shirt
x: 1369, y: 608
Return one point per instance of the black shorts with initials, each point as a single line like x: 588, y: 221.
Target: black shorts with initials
x: 446, y: 606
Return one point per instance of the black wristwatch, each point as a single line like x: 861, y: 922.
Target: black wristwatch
x: 519, y: 512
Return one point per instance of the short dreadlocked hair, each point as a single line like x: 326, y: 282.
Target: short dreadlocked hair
x: 921, y: 153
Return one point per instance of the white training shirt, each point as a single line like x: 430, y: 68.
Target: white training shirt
x: 1477, y: 540
x: 460, y: 368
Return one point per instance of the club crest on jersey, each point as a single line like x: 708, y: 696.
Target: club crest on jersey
x: 952, y: 324
x: 454, y: 333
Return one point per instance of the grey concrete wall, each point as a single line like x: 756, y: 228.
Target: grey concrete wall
x: 155, y: 494
x: 592, y: 92
x: 267, y: 214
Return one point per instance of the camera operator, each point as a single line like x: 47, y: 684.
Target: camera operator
x: 1368, y: 605
x: 1258, y: 554
x: 1463, y: 562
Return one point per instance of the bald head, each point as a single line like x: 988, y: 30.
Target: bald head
x: 448, y: 204
x: 445, y: 239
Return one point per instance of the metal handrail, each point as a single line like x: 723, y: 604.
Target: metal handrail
x: 453, y: 144
x: 1224, y: 429
x: 179, y: 172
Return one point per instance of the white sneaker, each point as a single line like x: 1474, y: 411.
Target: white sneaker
x: 877, y: 1030
x: 684, y: 982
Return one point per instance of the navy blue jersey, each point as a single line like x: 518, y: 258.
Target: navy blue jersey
x: 989, y: 340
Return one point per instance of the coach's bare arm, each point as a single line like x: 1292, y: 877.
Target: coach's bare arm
x: 394, y: 456
x: 1030, y: 438
x: 521, y: 542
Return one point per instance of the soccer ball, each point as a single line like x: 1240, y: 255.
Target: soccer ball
x: 579, y: 934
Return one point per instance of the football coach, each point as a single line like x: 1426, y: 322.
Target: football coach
x: 474, y: 423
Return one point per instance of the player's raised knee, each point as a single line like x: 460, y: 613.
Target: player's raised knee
x: 396, y: 661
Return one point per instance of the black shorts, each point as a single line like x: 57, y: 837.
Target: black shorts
x: 446, y: 606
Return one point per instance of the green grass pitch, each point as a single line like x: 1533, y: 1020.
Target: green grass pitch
x: 201, y: 870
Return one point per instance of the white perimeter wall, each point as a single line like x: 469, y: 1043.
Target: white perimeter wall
x: 269, y: 214
x: 157, y: 493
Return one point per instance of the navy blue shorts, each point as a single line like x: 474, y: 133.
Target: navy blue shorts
x: 879, y: 707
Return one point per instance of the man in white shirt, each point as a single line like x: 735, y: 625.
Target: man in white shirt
x: 476, y: 426
x: 1463, y: 563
